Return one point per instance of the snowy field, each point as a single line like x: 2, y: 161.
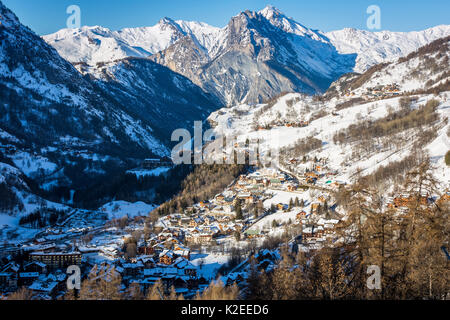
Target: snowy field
x: 120, y: 209
x: 208, y: 264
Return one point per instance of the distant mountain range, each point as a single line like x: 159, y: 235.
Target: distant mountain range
x: 256, y: 56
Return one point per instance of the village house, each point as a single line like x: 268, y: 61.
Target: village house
x: 199, y: 238
x: 246, y: 197
x: 163, y: 236
x: 252, y: 233
x: 195, y: 222
x: 183, y: 253
x: 185, y: 221
x: 9, y: 276
x: 35, y: 266
x: 132, y: 269
x: 46, y: 287
x: 404, y: 201
x: 292, y: 187
x: 312, y: 232
x: 151, y: 164
x: 220, y: 199
x: 166, y: 257
x: 146, y: 250
x: 282, y: 206
x: 208, y: 220
x: 147, y: 261
x: 275, y: 182
x: 301, y: 215
x: 328, y: 225
x: 187, y: 268
x: 205, y: 204
x: 311, y: 177
x: 27, y: 278
x: 444, y: 199
x: 315, y: 207
x: 57, y: 260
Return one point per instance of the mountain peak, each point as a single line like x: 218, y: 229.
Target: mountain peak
x: 166, y: 20
x: 289, y: 25
x: 270, y: 12
x: 168, y: 23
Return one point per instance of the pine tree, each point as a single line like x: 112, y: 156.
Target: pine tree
x: 273, y: 208
x: 274, y: 224
x: 217, y: 291
x: 383, y: 249
x: 283, y: 283
x: 156, y: 292
x: 89, y: 286
x: 352, y: 231
x: 71, y: 295
x: 173, y: 295
x: 22, y: 294
x: 256, y: 212
x: 134, y: 292
x: 258, y: 287
x: 239, y: 215
x: 111, y: 286
x: 291, y: 204
x: 330, y: 278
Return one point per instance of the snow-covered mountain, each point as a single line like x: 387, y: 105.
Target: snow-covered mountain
x: 256, y: 56
x: 91, y: 45
x: 392, y: 112
x: 377, y: 47
x: 58, y: 126
x: 44, y: 98
x: 258, y: 59
x: 155, y: 94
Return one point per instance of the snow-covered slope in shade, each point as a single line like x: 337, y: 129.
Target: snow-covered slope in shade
x: 377, y: 47
x: 44, y: 100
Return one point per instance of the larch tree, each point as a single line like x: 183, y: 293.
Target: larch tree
x: 156, y: 292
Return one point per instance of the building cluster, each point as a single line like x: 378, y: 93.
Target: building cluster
x: 166, y: 255
x: 285, y: 123
x: 315, y: 173
x: 382, y: 91
x: 209, y: 220
x: 40, y: 268
x: 378, y: 92
x: 403, y: 201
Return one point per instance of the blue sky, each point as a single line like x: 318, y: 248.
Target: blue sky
x: 47, y: 16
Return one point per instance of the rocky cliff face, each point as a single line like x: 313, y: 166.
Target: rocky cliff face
x: 256, y: 59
